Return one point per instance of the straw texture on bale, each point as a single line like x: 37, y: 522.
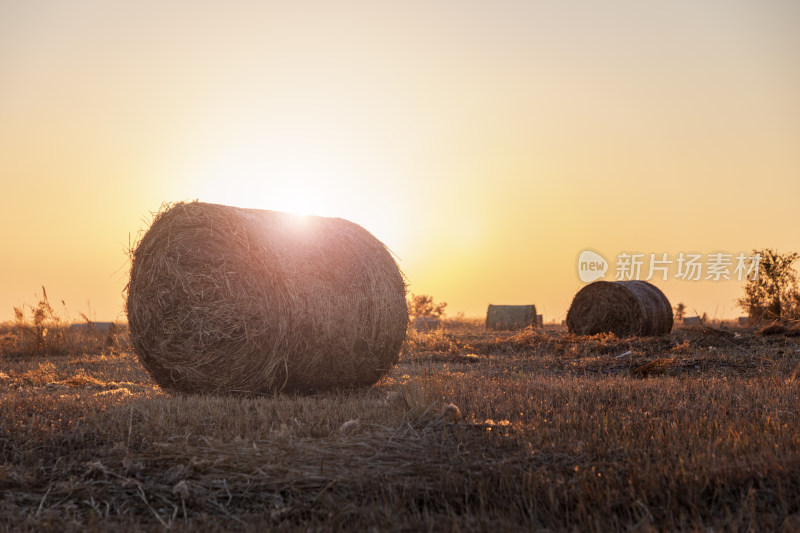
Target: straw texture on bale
x: 625, y: 308
x: 244, y: 301
x: 500, y: 317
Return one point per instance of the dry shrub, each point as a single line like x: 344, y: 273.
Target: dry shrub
x: 660, y: 365
x: 526, y: 340
x: 245, y: 301
x: 43, y: 374
x: 779, y: 329
x: 444, y: 357
x: 703, y: 336
x: 772, y: 329
x: 39, y: 330
x: 82, y: 380
x: 625, y: 308
x: 433, y: 341
x: 8, y: 343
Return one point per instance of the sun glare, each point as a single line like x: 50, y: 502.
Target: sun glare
x: 300, y: 187
x: 333, y: 173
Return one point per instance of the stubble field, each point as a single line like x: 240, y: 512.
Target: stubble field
x: 534, y: 430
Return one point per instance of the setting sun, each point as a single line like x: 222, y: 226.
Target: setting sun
x: 291, y: 186
x: 485, y: 147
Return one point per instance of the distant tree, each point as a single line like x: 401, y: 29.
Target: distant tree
x: 422, y: 305
x: 680, y: 311
x: 774, y: 294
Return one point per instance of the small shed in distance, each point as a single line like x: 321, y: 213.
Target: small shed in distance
x: 508, y: 317
x: 426, y: 323
x: 89, y: 327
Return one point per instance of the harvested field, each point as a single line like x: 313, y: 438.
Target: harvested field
x: 691, y: 430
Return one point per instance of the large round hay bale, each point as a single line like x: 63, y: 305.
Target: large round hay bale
x: 244, y: 301
x: 624, y: 308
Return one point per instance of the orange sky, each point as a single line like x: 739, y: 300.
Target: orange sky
x: 486, y: 144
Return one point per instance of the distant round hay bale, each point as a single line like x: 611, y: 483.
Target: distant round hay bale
x: 244, y: 301
x: 625, y: 308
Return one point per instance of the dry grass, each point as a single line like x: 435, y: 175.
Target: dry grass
x: 245, y: 301
x: 19, y: 340
x: 547, y: 430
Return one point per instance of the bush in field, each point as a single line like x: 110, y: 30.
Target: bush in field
x: 39, y: 330
x: 422, y: 305
x: 774, y: 294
